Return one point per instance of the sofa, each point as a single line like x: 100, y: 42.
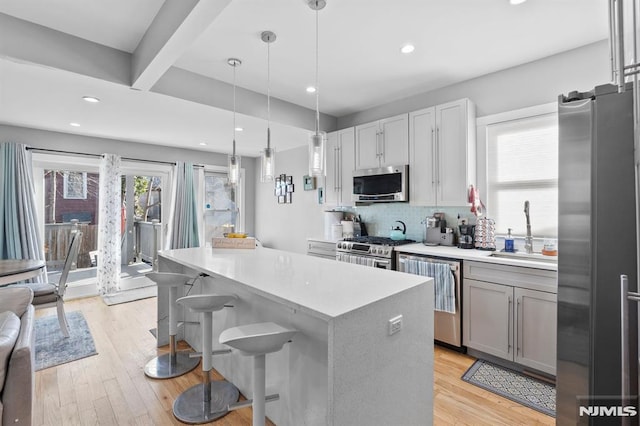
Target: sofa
x: 17, y: 355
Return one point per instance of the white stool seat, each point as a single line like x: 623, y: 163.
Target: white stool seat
x: 206, y: 302
x: 168, y: 279
x: 257, y: 339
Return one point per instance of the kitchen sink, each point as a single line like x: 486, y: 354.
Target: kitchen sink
x: 534, y: 257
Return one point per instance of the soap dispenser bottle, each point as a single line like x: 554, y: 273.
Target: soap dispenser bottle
x: 508, y: 243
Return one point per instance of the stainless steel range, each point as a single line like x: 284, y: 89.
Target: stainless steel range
x: 369, y: 251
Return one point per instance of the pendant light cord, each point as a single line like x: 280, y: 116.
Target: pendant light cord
x: 317, y: 87
x: 234, y: 109
x: 269, y: 95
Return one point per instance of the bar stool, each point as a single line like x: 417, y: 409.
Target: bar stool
x: 172, y: 364
x: 207, y: 401
x: 257, y: 340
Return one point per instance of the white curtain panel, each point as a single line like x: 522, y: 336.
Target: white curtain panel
x: 19, y: 226
x: 109, y: 222
x: 183, y: 220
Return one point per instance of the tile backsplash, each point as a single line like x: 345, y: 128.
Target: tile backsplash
x: 380, y: 218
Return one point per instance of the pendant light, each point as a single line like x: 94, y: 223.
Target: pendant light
x: 268, y: 155
x: 234, y: 160
x: 317, y: 140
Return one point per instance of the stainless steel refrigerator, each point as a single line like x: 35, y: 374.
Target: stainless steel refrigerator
x: 597, y: 244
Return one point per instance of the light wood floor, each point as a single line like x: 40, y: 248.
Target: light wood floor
x: 111, y: 388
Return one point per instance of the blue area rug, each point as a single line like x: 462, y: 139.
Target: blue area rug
x: 525, y: 390
x: 52, y: 348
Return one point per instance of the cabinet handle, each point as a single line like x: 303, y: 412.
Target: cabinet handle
x: 382, y: 145
x: 336, y: 175
x: 378, y: 144
x: 438, y: 156
x: 433, y: 159
x: 509, y: 326
x: 519, y: 328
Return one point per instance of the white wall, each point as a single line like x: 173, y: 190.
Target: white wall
x: 287, y: 226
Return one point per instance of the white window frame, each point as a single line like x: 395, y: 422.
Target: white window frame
x: 482, y: 129
x: 240, y: 199
x: 67, y: 186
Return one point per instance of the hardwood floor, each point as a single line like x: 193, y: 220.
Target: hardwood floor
x: 111, y: 388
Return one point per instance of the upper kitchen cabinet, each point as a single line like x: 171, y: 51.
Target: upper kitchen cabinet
x: 442, y: 144
x: 382, y: 143
x: 340, y: 165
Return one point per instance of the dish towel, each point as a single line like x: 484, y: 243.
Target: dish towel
x: 443, y: 281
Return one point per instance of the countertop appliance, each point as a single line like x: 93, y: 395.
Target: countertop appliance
x: 380, y: 185
x: 447, y: 326
x: 436, y: 231
x: 370, y: 251
x: 466, y: 240
x: 596, y: 190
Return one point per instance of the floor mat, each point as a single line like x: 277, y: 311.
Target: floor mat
x: 525, y: 390
x: 52, y: 348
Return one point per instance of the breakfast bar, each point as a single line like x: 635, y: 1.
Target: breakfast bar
x: 347, y: 364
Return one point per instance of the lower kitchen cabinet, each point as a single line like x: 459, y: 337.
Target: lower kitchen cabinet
x: 508, y: 321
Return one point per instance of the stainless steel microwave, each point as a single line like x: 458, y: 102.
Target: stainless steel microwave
x: 381, y: 185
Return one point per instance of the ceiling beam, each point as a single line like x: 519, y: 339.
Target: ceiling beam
x: 174, y: 29
x: 24, y: 41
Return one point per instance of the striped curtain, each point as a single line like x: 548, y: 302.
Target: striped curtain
x: 19, y: 227
x: 183, y: 219
x: 109, y: 222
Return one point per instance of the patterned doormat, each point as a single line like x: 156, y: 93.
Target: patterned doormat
x: 525, y: 390
x: 52, y: 348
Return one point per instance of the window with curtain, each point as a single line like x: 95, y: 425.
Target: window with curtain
x: 522, y: 164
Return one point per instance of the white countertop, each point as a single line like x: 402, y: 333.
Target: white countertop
x: 321, y: 287
x: 472, y: 254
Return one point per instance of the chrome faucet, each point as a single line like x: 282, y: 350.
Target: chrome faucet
x: 528, y: 241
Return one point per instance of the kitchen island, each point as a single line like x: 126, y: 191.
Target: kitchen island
x: 343, y: 367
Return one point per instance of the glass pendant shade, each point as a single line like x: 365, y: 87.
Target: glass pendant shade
x: 268, y: 164
x: 234, y: 169
x: 316, y: 153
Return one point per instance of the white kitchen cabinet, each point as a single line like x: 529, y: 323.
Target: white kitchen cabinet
x: 442, y: 148
x: 340, y: 165
x: 536, y: 329
x: 508, y: 316
x: 382, y: 143
x: 487, y: 317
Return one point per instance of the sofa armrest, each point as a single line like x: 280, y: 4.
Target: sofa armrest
x: 15, y: 299
x: 19, y: 387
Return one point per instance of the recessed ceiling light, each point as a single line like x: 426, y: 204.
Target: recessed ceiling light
x: 203, y: 143
x: 91, y: 99
x: 74, y: 124
x: 311, y: 89
x: 514, y: 2
x: 239, y: 129
x: 408, y: 48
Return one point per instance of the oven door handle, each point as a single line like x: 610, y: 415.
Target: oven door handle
x: 385, y: 262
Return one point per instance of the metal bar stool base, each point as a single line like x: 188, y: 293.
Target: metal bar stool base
x: 161, y: 367
x: 190, y: 407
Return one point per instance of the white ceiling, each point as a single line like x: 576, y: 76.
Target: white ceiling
x: 360, y: 61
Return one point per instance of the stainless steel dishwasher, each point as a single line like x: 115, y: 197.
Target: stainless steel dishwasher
x: 447, y: 326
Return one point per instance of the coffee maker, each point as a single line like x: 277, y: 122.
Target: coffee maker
x: 467, y: 232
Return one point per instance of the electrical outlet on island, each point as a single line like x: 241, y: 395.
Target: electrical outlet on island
x: 395, y: 324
